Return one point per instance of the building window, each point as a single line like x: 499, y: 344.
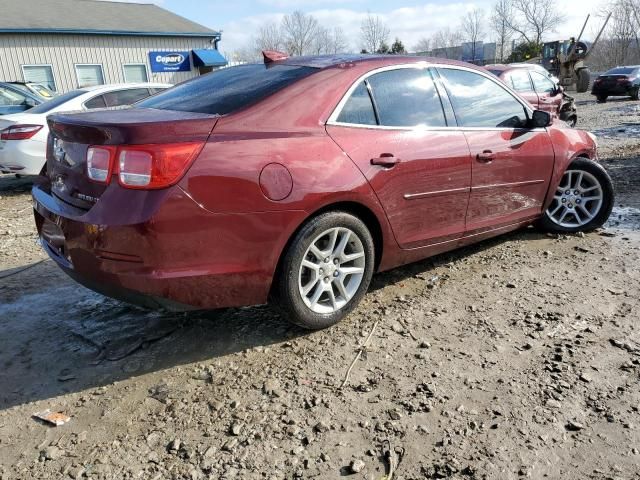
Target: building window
x: 42, y: 74
x: 89, y: 75
x: 135, y: 73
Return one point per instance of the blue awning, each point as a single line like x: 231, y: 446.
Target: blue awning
x: 208, y: 58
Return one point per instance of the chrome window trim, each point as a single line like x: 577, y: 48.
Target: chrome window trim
x: 333, y: 118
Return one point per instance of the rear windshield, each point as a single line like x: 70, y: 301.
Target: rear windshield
x: 56, y: 102
x: 227, y: 89
x: 621, y: 71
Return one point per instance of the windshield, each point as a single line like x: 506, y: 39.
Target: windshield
x: 41, y: 90
x: 621, y: 71
x: 57, y: 101
x: 228, y: 89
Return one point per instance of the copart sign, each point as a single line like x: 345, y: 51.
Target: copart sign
x: 169, y: 61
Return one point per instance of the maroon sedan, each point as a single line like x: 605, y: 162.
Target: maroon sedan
x: 295, y: 180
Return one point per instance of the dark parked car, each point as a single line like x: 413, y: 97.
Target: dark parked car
x: 295, y: 180
x: 17, y: 97
x: 535, y: 85
x: 619, y: 81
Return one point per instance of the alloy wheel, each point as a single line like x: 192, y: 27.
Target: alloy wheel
x: 577, y: 201
x: 331, y: 270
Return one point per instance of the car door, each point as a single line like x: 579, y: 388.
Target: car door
x: 520, y: 81
x: 550, y: 98
x: 512, y: 164
x: 392, y: 124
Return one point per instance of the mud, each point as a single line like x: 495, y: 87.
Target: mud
x: 518, y: 357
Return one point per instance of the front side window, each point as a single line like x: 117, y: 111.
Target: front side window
x: 542, y: 84
x: 358, y: 109
x: 482, y: 103
x: 40, y: 74
x: 520, y: 81
x: 89, y: 75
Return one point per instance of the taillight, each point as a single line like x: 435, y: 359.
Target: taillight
x: 19, y: 132
x: 142, y: 166
x: 99, y: 163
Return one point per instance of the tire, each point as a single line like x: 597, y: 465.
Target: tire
x: 584, y: 77
x: 592, y: 213
x: 293, y: 277
x: 602, y: 98
x: 634, y: 94
x: 572, y: 121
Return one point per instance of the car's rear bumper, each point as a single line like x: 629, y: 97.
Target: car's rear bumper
x: 181, y: 257
x: 614, y: 90
x: 26, y: 157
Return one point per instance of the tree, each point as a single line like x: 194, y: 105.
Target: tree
x: 269, y: 37
x: 397, y: 47
x: 299, y: 30
x: 531, y: 19
x: 384, y: 48
x: 525, y: 51
x: 473, y: 29
x: 373, y: 33
x: 501, y: 18
x: 446, y: 41
x: 339, y: 43
x: 423, y: 45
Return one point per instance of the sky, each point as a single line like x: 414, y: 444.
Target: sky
x: 408, y: 20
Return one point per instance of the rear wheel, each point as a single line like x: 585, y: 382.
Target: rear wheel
x: 584, y: 77
x: 602, y: 98
x: 634, y: 94
x: 325, y: 271
x: 583, y: 199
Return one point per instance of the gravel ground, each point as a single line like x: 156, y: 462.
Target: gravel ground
x: 518, y: 357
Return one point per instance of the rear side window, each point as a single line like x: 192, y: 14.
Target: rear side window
x: 228, y: 89
x: 520, y: 81
x: 358, y: 109
x: 542, y: 84
x: 125, y: 97
x: 407, y: 97
x: 481, y: 102
x: 95, y: 102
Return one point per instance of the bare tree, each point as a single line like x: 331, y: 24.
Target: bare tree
x: 501, y: 18
x: 374, y: 33
x: 531, y: 19
x: 269, y: 37
x: 328, y: 41
x: 620, y: 44
x: 423, y: 45
x: 473, y: 29
x: 445, y: 43
x: 299, y: 30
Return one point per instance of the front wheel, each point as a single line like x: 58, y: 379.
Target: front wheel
x: 325, y: 271
x: 583, y: 200
x: 602, y: 98
x: 635, y: 93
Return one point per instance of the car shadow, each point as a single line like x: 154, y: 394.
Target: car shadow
x: 10, y: 185
x: 59, y: 337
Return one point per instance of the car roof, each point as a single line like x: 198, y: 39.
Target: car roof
x: 12, y: 86
x: 341, y: 60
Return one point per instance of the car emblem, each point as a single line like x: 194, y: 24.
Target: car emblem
x: 58, y: 150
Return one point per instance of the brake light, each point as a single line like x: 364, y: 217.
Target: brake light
x: 19, y: 132
x: 142, y: 166
x: 99, y: 163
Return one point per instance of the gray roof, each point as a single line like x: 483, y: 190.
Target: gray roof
x: 94, y: 16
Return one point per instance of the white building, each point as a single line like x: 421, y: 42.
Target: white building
x: 68, y: 44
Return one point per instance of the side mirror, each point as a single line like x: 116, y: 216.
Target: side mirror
x: 540, y: 119
x: 29, y: 103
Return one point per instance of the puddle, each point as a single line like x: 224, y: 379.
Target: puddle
x: 624, y: 218
x: 625, y: 130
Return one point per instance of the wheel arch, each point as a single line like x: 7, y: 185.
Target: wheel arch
x: 355, y: 208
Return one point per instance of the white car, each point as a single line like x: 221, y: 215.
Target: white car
x: 23, y: 136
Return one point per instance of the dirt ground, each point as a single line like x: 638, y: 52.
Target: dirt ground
x: 516, y: 358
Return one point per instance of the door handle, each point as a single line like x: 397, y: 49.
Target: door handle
x: 486, y: 156
x: 387, y: 160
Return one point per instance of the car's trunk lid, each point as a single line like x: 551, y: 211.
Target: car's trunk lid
x: 72, y: 134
